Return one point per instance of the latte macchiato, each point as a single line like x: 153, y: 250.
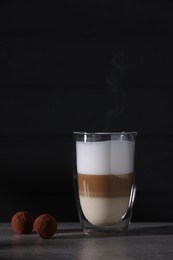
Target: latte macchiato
x: 104, y: 172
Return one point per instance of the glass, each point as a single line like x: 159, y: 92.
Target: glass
x: 104, y: 183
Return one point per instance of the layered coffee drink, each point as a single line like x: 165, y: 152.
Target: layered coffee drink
x: 104, y: 173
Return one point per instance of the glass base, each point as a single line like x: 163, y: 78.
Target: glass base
x: 119, y: 229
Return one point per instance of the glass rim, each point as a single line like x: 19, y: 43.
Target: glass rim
x: 106, y: 133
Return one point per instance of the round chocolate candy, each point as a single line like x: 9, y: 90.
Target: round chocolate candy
x: 45, y: 226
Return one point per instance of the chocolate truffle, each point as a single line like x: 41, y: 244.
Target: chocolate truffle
x: 22, y: 222
x: 45, y: 226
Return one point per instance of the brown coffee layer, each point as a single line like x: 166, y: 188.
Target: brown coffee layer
x: 104, y: 185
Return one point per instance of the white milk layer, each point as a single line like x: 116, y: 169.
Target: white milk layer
x: 104, y: 211
x: 105, y: 157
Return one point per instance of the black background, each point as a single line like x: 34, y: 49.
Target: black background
x: 83, y: 65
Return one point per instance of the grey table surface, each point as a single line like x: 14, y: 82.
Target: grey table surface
x: 143, y: 241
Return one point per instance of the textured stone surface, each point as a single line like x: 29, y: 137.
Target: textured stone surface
x: 143, y: 241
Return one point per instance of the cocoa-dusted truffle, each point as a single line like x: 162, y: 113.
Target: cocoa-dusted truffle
x: 45, y: 226
x: 22, y: 222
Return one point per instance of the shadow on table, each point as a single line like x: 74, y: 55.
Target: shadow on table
x: 71, y: 234
x: 137, y: 231
x: 159, y: 229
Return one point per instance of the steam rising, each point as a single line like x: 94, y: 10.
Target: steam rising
x: 122, y: 71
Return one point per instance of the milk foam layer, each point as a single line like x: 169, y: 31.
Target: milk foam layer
x: 105, y: 157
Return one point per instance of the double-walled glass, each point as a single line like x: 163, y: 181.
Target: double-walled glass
x: 104, y: 180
